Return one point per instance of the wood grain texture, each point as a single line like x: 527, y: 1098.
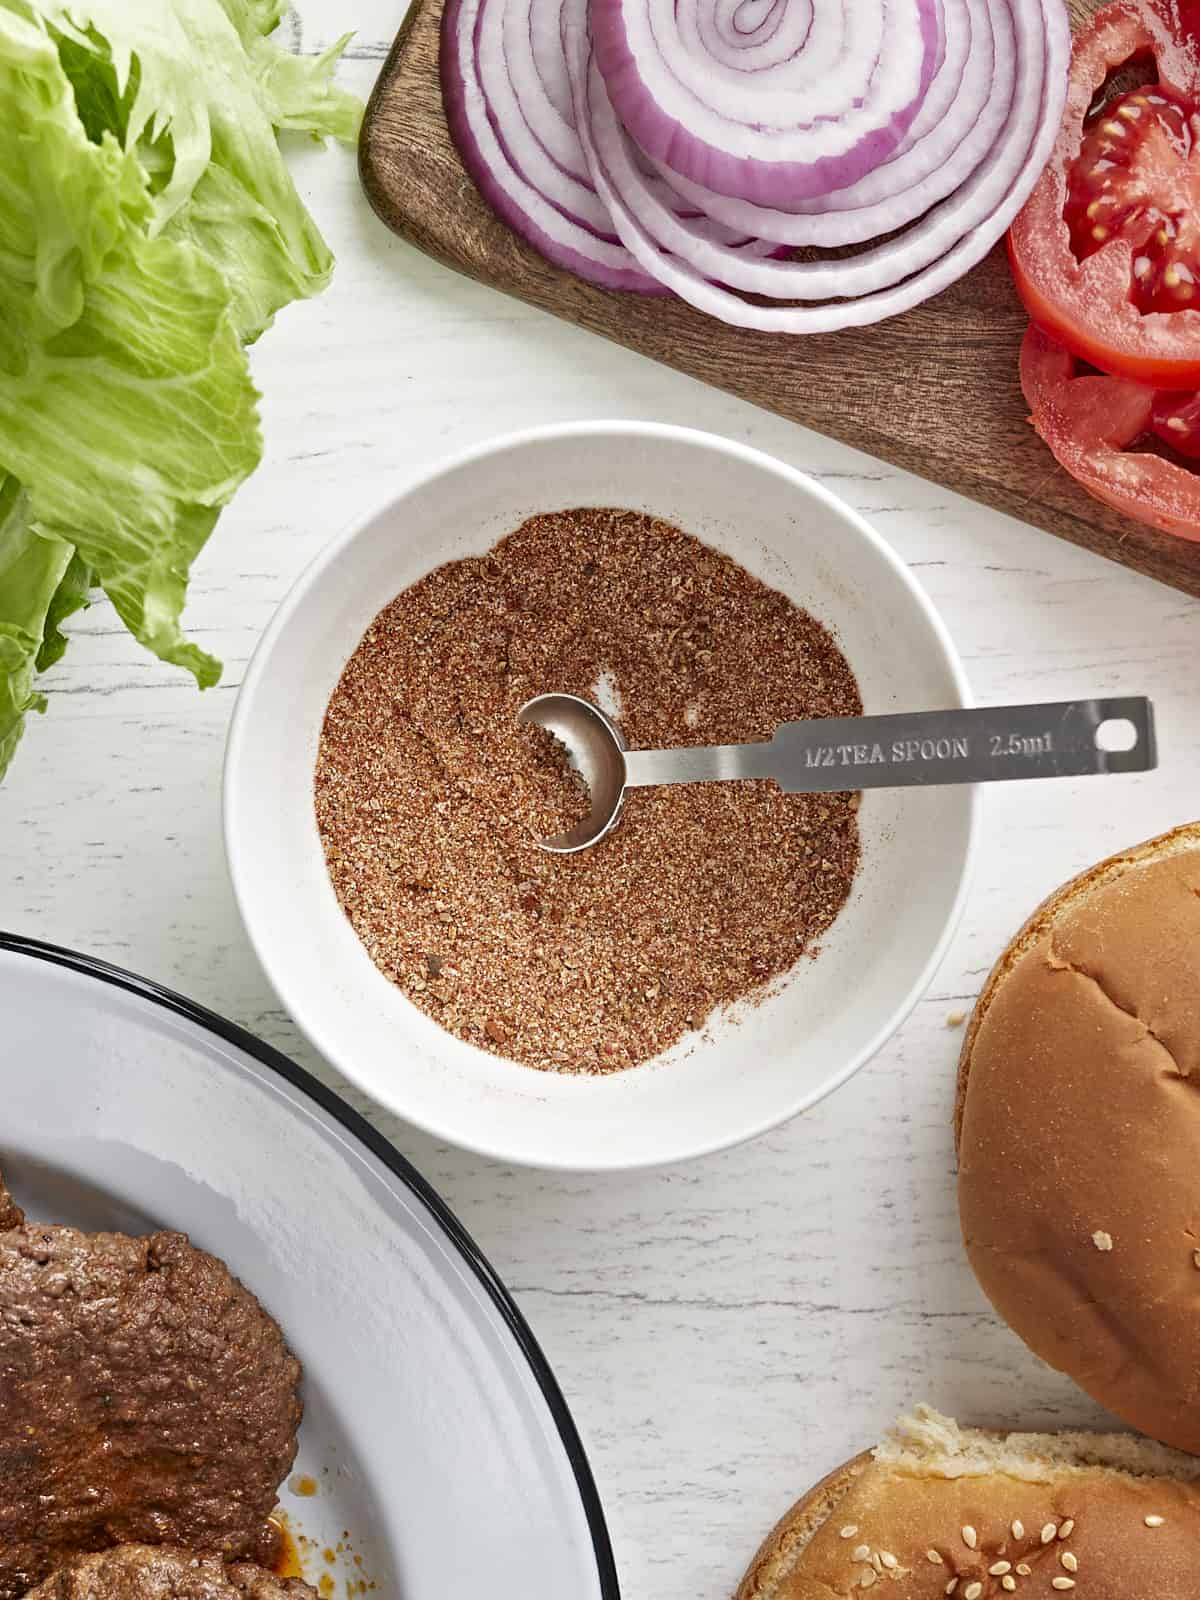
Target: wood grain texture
x: 935, y: 390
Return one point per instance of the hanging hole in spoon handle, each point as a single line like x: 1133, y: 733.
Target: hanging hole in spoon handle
x: 984, y: 744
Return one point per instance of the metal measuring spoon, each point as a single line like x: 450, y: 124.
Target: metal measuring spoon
x: 986, y: 744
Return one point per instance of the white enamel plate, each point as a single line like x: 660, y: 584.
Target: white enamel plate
x: 444, y: 1459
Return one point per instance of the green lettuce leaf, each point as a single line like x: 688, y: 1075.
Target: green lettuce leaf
x: 32, y: 569
x: 245, y: 213
x: 148, y: 229
x: 299, y: 91
x: 255, y: 19
x: 301, y: 95
x: 73, y: 594
x: 129, y: 414
x: 201, y: 93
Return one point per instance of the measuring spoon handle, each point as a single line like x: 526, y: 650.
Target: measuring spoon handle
x: 986, y: 744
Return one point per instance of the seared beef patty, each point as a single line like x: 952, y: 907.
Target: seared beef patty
x: 163, y: 1572
x: 145, y: 1397
x: 11, y: 1215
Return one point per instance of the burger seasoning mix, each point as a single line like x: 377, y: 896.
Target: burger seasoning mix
x: 430, y: 799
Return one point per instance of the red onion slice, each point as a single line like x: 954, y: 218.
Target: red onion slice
x: 750, y: 34
x: 778, y: 35
x: 525, y: 78
x: 959, y: 122
x: 506, y: 115
x: 546, y: 48
x: 981, y: 211
x: 833, y: 109
x: 551, y: 159
x: 530, y: 109
x: 862, y: 274
x: 537, y: 207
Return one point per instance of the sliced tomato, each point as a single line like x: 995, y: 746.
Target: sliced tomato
x: 1175, y: 419
x: 1090, y: 421
x: 1106, y: 251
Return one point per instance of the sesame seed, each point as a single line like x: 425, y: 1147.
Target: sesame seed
x: 969, y: 1537
x: 1062, y: 1583
x: 1024, y: 1569
x: 861, y: 1552
x: 1009, y: 1583
x: 1113, y: 128
x: 1093, y: 211
x: 1102, y: 1240
x: 1099, y: 234
x: 951, y: 1586
x: 888, y: 1559
x: 1130, y: 113
x: 1067, y: 1529
x: 1171, y: 278
x: 868, y: 1578
x: 1049, y: 1531
x: 1069, y: 1561
x: 1196, y: 1259
x: 999, y: 1568
x: 932, y: 1555
x: 849, y: 1530
x: 1155, y: 1522
x: 1018, y: 1529
x: 972, y: 1591
x: 877, y: 1562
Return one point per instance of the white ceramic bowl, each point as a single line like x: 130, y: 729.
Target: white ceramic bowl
x: 744, y: 1075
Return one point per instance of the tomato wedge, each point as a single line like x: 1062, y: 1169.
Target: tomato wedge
x: 1106, y: 251
x: 1089, y: 422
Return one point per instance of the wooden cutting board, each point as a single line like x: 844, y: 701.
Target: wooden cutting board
x: 935, y: 390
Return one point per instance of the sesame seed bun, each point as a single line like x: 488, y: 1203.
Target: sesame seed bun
x: 1078, y: 1132
x: 938, y: 1510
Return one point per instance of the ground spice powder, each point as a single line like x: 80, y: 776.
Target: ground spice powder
x: 430, y: 799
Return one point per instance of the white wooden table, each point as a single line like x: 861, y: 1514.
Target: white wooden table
x: 725, y: 1331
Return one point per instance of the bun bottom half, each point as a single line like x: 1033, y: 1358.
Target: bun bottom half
x: 937, y: 1510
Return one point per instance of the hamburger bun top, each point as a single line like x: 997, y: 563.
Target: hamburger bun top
x: 1078, y: 1132
x: 939, y: 1510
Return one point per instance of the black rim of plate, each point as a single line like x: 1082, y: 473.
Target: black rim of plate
x: 334, y: 1106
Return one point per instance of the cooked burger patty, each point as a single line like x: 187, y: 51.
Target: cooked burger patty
x: 145, y: 1397
x: 164, y: 1572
